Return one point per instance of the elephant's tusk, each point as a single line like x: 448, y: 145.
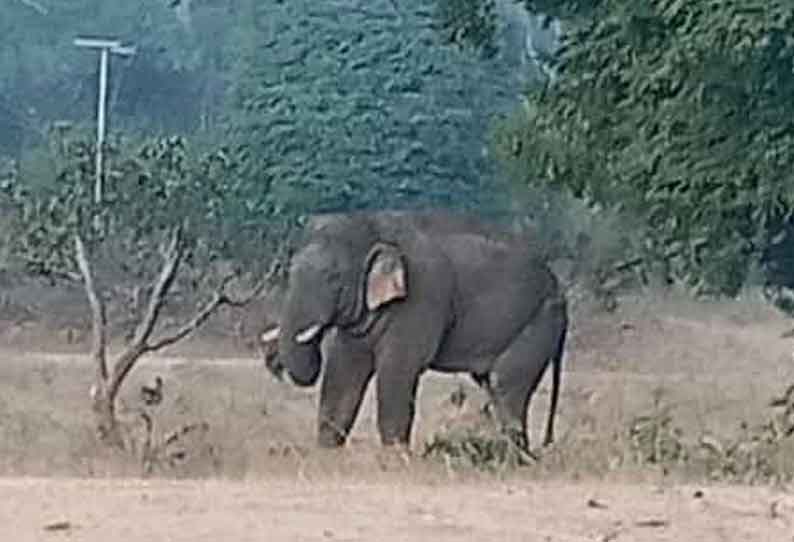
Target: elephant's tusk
x: 270, y: 335
x: 308, y: 334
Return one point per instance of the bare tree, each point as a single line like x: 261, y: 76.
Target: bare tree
x: 177, y: 231
x: 109, y: 377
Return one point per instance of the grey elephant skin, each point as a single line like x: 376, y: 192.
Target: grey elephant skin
x: 395, y: 294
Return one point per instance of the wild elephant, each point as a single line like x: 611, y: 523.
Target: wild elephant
x: 395, y: 293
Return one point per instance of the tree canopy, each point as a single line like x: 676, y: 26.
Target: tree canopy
x: 673, y: 115
x: 677, y: 114
x: 351, y: 105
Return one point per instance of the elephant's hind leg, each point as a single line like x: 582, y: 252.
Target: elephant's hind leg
x: 483, y: 381
x: 517, y: 372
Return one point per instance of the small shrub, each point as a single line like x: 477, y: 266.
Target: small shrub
x: 654, y: 439
x: 184, y: 450
x: 477, y: 449
x: 179, y: 450
x: 764, y: 454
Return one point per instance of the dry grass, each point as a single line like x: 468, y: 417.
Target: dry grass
x: 642, y: 386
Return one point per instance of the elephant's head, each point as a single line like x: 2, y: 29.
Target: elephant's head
x: 335, y: 280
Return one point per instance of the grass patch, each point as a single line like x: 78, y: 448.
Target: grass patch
x: 472, y: 448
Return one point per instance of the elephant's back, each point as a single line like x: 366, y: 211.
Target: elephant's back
x: 499, y: 286
x: 437, y: 223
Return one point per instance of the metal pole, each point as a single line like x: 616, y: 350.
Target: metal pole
x: 106, y: 48
x: 100, y: 134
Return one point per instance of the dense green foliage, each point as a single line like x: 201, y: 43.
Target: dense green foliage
x: 344, y: 106
x: 468, y: 23
x: 327, y: 106
x: 678, y: 114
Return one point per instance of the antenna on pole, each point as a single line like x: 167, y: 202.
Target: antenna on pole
x: 105, y: 46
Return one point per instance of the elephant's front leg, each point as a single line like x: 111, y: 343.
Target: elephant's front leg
x: 396, y: 404
x: 401, y: 357
x: 348, y: 370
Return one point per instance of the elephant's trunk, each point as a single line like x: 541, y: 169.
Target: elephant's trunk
x: 302, y: 361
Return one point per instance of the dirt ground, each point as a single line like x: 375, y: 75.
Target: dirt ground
x: 135, y: 510
x: 254, y: 475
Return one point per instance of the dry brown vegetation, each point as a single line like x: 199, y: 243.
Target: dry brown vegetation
x: 659, y: 393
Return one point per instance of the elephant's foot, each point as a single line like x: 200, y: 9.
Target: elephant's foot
x: 331, y: 433
x: 329, y: 437
x: 518, y: 439
x: 395, y: 456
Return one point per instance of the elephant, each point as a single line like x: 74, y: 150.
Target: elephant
x: 394, y: 294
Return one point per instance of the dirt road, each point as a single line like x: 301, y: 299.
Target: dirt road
x: 135, y: 510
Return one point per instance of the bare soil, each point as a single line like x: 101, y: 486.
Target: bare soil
x: 255, y: 475
x: 136, y: 510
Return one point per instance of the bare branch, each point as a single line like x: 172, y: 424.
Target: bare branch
x: 52, y: 275
x: 218, y: 299
x: 123, y: 366
x: 138, y: 346
x: 246, y: 299
x: 173, y: 256
x: 99, y: 316
x: 65, y: 275
x: 260, y: 286
x: 35, y: 6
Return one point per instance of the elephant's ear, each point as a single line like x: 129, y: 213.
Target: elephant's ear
x: 385, y: 279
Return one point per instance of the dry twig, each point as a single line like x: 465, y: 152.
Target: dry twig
x: 41, y: 10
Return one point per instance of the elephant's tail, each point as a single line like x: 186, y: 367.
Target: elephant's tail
x: 556, y: 375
